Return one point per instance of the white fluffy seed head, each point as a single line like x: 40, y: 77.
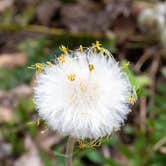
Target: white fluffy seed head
x: 84, y: 96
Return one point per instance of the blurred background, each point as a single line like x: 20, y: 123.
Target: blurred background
x: 31, y: 31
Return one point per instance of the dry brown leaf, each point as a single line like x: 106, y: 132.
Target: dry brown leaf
x: 138, y: 6
x: 31, y: 158
x: 5, y: 99
x: 2, y: 94
x: 21, y: 90
x: 14, y: 59
x: 5, y: 149
x: 6, y: 114
x: 117, y: 155
x: 46, y: 10
x: 118, y: 7
x: 163, y: 150
x: 9, y: 99
x: 85, y: 19
x: 94, y: 16
x: 46, y: 140
x: 106, y: 151
x: 4, y: 4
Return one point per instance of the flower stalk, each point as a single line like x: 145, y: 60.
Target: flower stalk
x: 69, y: 151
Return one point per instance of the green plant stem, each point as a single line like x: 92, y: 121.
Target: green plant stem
x: 69, y: 151
x: 47, y: 30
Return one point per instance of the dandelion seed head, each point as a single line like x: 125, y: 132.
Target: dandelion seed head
x: 87, y: 96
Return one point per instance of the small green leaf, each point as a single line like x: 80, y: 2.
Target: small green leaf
x: 94, y: 156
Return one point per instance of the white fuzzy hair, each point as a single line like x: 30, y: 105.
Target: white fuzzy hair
x: 91, y: 106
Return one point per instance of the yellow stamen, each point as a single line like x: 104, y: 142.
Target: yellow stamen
x: 71, y: 77
x: 39, y: 67
x: 132, y: 100
x: 80, y: 48
x: 97, y: 45
x: 62, y: 59
x: 126, y: 65
x: 82, y: 86
x: 95, y: 145
x: 64, y: 49
x: 91, y: 67
x: 82, y: 145
x: 49, y: 63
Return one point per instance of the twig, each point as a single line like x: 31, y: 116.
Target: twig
x: 159, y: 143
x: 143, y: 112
x: 143, y: 59
x: 153, y: 72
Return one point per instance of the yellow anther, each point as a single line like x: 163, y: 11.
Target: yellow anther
x: 126, y: 65
x: 39, y: 67
x: 64, y: 49
x: 62, y: 59
x: 49, y: 63
x: 95, y: 145
x: 71, y: 77
x: 80, y: 48
x: 83, y: 87
x: 97, y: 45
x: 91, y: 67
x: 82, y: 145
x: 132, y: 100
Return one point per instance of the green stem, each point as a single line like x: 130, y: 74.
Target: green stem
x: 47, y: 30
x: 69, y: 151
